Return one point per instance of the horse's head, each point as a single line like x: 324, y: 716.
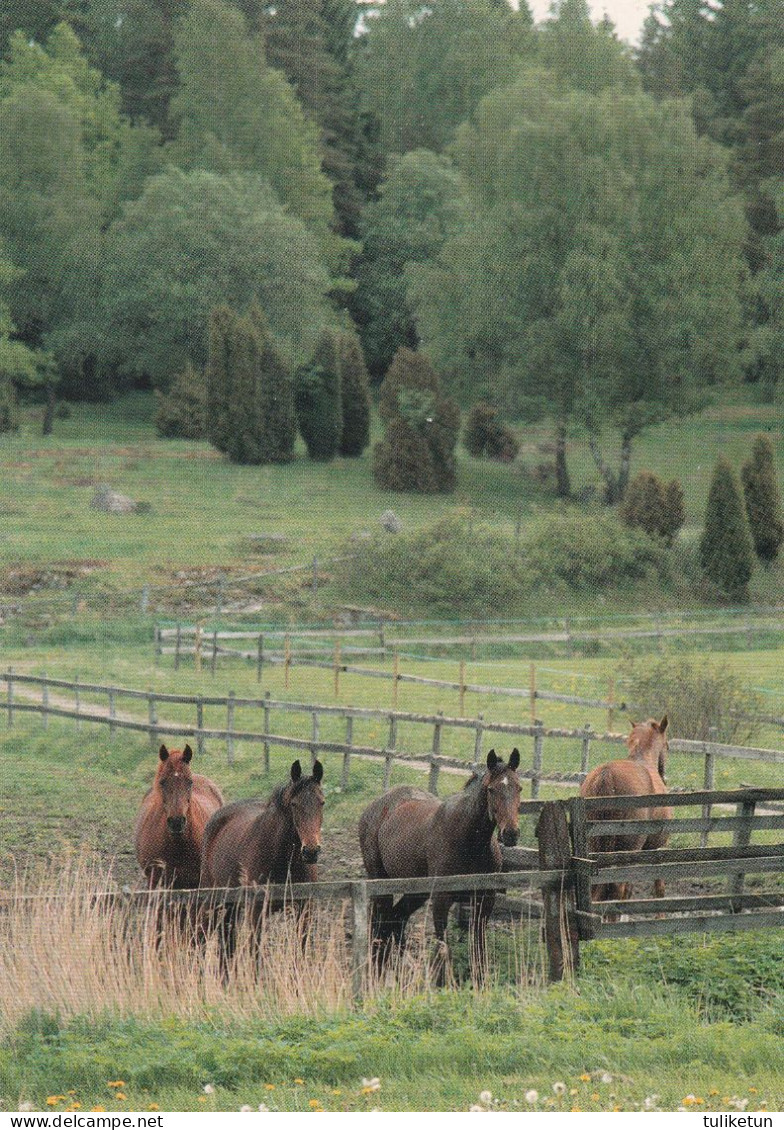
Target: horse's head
x: 648, y: 742
x: 503, y: 795
x: 306, y: 801
x: 175, y: 785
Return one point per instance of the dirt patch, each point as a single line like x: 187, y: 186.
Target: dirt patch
x: 23, y: 578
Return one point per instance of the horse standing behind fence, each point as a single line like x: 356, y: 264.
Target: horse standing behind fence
x: 641, y: 773
x: 253, y: 842
x: 171, y: 821
x: 409, y: 833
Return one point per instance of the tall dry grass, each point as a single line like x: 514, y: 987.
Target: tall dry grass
x: 67, y: 951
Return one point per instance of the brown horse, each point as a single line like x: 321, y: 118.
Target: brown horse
x: 640, y: 774
x: 277, y: 840
x: 171, y: 821
x: 409, y: 833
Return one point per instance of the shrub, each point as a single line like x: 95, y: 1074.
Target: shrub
x: 355, y: 397
x: 317, y: 397
x: 763, y: 502
x: 181, y: 411
x: 421, y: 428
x: 726, y: 549
x: 486, y: 435
x: 9, y: 410
x: 453, y: 566
x: 591, y: 551
x: 275, y: 396
x: 656, y: 507
x: 699, y: 700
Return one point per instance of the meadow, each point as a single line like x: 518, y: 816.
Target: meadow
x: 649, y: 1025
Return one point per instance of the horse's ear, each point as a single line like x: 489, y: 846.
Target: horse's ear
x: 632, y: 724
x: 514, y: 760
x: 492, y: 759
x: 663, y: 724
x: 318, y: 771
x: 296, y: 771
x: 187, y: 754
x: 163, y: 753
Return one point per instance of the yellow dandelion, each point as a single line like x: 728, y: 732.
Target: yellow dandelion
x: 153, y: 1106
x: 120, y: 1097
x: 752, y: 1090
x: 337, y: 1092
x: 713, y: 1091
x: 585, y: 1077
x: 202, y: 1098
x: 97, y: 1109
x: 314, y: 1104
x: 299, y: 1081
x: 595, y: 1097
x: 117, y: 1083
x: 269, y: 1086
x: 74, y: 1092
x: 53, y: 1100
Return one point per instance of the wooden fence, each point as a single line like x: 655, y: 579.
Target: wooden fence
x: 428, y: 755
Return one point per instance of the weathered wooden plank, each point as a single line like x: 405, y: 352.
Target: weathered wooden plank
x: 686, y: 904
x: 695, y: 856
x: 645, y: 927
x: 679, y: 800
x: 695, y: 868
x: 674, y: 827
x: 560, y: 923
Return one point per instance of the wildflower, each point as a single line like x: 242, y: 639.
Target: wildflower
x: 299, y: 1081
x: 269, y: 1086
x: 689, y: 1100
x: 263, y: 1109
x: 585, y: 1077
x: 650, y: 1102
x: 752, y: 1090
x: 370, y: 1085
x: 606, y: 1077
x: 476, y: 1108
x: 559, y: 1089
x: 26, y: 1106
x: 209, y: 1089
x: 486, y: 1098
x: 97, y: 1109
x: 53, y: 1100
x: 153, y: 1106
x: 201, y: 1099
x: 116, y: 1083
x: 739, y: 1104
x: 246, y: 1109
x: 120, y: 1097
x: 595, y: 1097
x: 531, y: 1097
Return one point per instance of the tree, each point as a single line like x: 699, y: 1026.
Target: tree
x: 196, y: 240
x: 422, y: 70
x: 599, y: 279
x: 763, y: 500
x: 181, y: 413
x: 486, y: 435
x: 654, y: 506
x: 418, y: 449
x: 726, y: 549
x: 35, y: 18
x: 317, y: 397
x: 354, y: 395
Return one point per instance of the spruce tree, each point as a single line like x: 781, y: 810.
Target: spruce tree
x: 355, y: 397
x: 726, y: 549
x: 218, y: 375
x: 275, y: 401
x: 317, y: 398
x: 181, y: 412
x: 763, y: 501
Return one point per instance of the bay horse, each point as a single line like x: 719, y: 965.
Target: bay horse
x: 640, y: 774
x: 409, y: 833
x: 171, y: 821
x: 253, y: 842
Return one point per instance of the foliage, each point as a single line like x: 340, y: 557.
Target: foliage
x: 454, y: 565
x: 354, y: 396
x: 703, y: 702
x: 763, y: 500
x: 318, y: 399
x: 418, y: 450
x: 181, y: 411
x: 590, y: 552
x: 192, y: 242
x: 726, y: 548
x: 485, y: 435
x: 655, y: 506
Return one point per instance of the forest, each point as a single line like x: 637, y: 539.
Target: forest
x: 562, y: 226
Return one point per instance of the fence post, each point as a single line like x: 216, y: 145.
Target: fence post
x: 381, y: 640
x: 337, y: 668
x: 266, y: 731
x: 347, y: 753
x: 44, y: 700
x: 177, y: 643
x: 219, y: 596
x: 537, y: 765
x: 611, y: 706
x: 152, y: 716
x: 478, y: 740
x: 391, y: 747
x: 395, y: 677
x: 78, y: 701
x: 708, y: 779
x: 10, y: 697
x: 112, y: 711
x: 533, y: 694
x: 586, y: 751
x: 314, y: 736
x: 742, y: 838
x: 462, y: 688
x: 560, y: 930
x: 200, y: 726
x: 435, y: 756
x: 197, y: 649
x: 259, y: 657
x: 314, y: 586
x: 214, y: 659
x: 286, y: 660
x: 229, y: 728
x: 582, y: 879
x: 158, y: 643
x: 359, y: 937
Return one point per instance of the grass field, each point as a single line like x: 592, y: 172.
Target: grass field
x: 656, y: 1025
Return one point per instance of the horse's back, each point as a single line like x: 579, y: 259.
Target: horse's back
x: 625, y: 778
x: 224, y: 835
x: 393, y: 832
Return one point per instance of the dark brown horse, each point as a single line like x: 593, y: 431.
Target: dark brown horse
x: 277, y: 840
x: 171, y: 821
x: 409, y: 833
x: 640, y: 774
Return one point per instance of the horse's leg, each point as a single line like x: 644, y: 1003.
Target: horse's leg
x: 441, y: 904
x: 403, y: 910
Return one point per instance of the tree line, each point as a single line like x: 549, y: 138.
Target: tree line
x: 558, y: 225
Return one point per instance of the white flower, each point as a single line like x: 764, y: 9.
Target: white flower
x: 650, y: 1102
x: 531, y: 1097
x: 606, y: 1077
x: 486, y: 1098
x: 26, y: 1106
x: 477, y: 1109
x: 559, y: 1089
x: 263, y: 1109
x: 739, y: 1104
x: 246, y: 1109
x: 209, y: 1089
x: 373, y: 1084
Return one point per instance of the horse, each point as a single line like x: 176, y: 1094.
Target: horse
x: 641, y: 773
x: 171, y: 821
x: 253, y: 842
x: 409, y: 833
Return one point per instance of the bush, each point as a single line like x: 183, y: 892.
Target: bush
x: 418, y: 450
x: 763, y: 502
x: 698, y: 700
x: 656, y: 507
x: 355, y: 397
x: 9, y: 410
x: 486, y: 435
x: 591, y: 551
x: 181, y: 412
x: 317, y: 397
x: 453, y: 566
x: 726, y: 548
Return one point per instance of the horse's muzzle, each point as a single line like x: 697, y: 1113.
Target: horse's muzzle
x: 176, y: 825
x: 509, y: 837
x: 310, y: 854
